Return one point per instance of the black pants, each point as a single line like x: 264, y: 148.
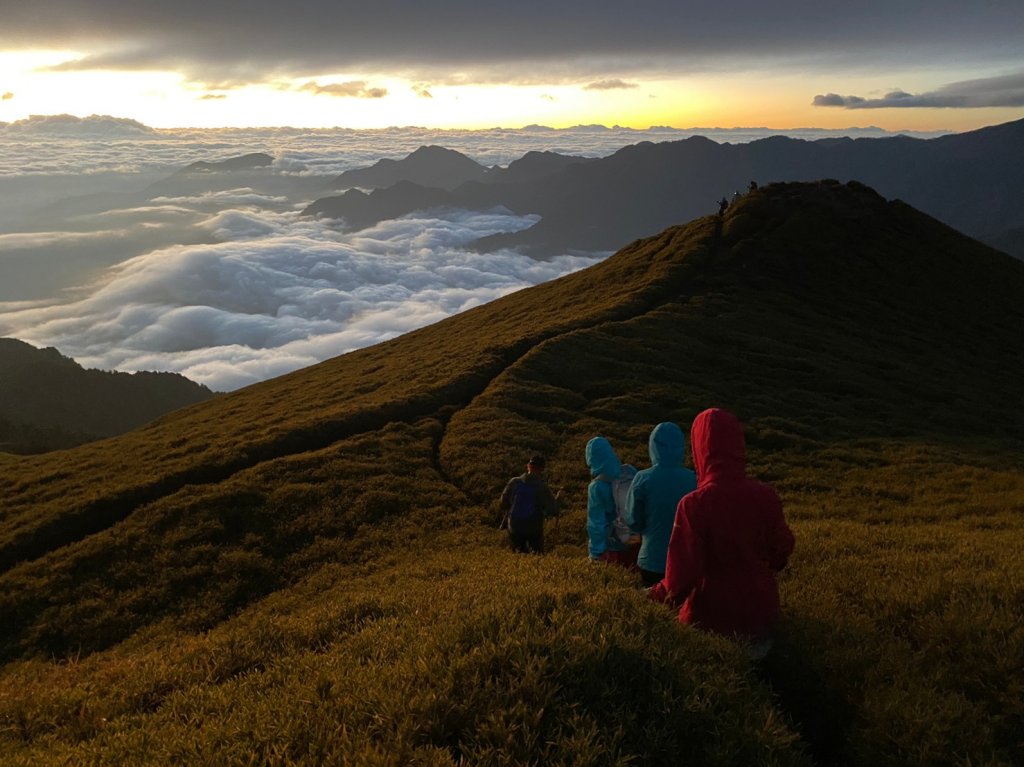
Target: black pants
x: 650, y: 578
x: 527, y: 537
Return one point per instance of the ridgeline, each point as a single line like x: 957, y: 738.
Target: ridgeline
x: 307, y: 570
x: 48, y: 401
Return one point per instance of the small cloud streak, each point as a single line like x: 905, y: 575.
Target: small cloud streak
x: 610, y: 85
x: 352, y: 89
x: 7, y: 96
x: 1003, y: 91
x: 212, y: 97
x: 422, y: 92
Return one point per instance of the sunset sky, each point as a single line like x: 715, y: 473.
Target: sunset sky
x: 916, y: 65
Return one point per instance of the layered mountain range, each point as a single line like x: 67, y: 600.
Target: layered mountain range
x: 972, y: 181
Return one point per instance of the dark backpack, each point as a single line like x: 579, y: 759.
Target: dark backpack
x: 524, y: 502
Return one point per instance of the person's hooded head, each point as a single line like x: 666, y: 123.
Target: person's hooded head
x: 601, y: 459
x: 719, y: 450
x: 666, y: 445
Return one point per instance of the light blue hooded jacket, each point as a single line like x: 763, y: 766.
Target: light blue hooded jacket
x: 604, y: 467
x: 656, y: 492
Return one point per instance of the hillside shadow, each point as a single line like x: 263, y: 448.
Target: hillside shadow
x: 818, y: 708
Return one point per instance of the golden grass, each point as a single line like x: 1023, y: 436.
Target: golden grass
x: 306, y: 571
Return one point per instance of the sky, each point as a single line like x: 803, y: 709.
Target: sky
x: 909, y: 64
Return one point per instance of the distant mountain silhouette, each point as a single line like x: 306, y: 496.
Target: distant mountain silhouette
x: 361, y: 210
x: 49, y: 401
x: 534, y: 166
x: 972, y: 181
x: 253, y: 171
x: 428, y: 166
x: 242, y: 162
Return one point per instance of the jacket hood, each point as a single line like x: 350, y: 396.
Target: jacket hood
x: 666, y: 445
x: 719, y: 449
x: 602, y: 460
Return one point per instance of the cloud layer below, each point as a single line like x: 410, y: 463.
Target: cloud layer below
x: 277, y: 292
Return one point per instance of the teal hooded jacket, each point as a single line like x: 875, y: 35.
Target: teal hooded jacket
x: 656, y: 492
x: 605, y: 467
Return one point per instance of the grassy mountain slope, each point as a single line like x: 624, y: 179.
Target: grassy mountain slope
x: 305, y: 571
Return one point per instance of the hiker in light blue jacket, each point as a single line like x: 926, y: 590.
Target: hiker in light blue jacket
x: 654, y: 496
x: 605, y: 468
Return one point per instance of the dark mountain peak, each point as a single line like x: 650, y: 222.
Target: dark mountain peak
x: 433, y: 151
x: 1006, y: 137
x: 242, y: 162
x: 534, y: 166
x: 359, y: 209
x: 784, y: 200
x: 776, y: 140
x: 49, y: 401
x: 431, y: 166
x: 1013, y: 128
x: 17, y: 353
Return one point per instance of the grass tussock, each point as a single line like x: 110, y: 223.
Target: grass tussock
x: 307, y: 571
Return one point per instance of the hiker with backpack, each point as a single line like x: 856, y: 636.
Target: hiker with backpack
x: 610, y: 539
x: 728, y: 541
x: 526, y: 501
x: 653, y: 497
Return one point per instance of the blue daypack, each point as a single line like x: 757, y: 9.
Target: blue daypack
x: 524, y: 502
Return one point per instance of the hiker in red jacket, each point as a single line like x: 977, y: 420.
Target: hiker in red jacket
x: 728, y: 541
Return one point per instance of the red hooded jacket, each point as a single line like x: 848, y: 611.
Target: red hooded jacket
x: 729, y: 538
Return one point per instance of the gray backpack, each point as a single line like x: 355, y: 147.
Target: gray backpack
x: 620, y: 491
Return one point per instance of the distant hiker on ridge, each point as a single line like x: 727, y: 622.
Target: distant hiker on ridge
x: 728, y: 541
x: 723, y: 205
x: 654, y: 495
x: 526, y: 501
x: 610, y: 539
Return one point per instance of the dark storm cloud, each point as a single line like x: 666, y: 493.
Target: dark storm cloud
x: 258, y: 40
x: 1005, y: 91
x: 609, y: 85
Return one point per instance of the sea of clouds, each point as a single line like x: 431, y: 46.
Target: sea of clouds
x: 234, y: 286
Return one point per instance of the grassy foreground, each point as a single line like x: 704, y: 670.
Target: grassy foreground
x: 307, y: 572
x: 429, y: 665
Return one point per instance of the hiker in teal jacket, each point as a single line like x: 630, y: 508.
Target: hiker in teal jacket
x: 654, y: 496
x: 605, y: 468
